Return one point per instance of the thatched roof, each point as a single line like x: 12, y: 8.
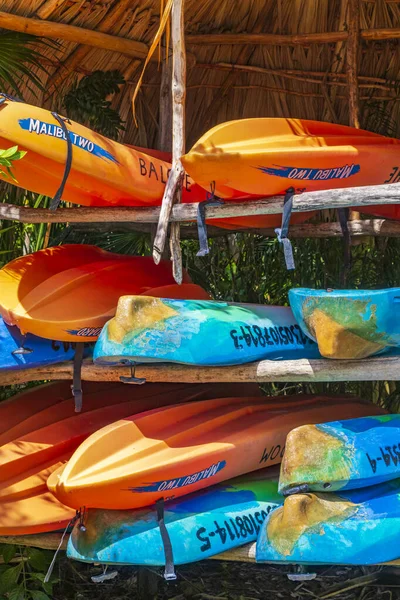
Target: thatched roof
x: 306, y: 80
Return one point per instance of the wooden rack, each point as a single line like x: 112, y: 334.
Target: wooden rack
x: 386, y: 194
x: 303, y: 370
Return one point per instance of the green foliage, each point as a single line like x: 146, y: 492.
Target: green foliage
x: 7, y: 157
x: 86, y: 102
x: 23, y: 572
x: 20, y: 57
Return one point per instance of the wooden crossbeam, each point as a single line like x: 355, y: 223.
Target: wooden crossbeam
x: 302, y: 370
x: 299, y: 39
x: 71, y: 33
x: 308, y: 201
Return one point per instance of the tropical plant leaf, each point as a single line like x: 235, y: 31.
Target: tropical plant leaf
x: 21, y: 60
x: 86, y: 102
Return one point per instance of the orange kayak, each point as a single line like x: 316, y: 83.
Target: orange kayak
x: 47, y: 434
x: 103, y: 172
x: 265, y: 157
x: 177, y: 450
x: 67, y: 293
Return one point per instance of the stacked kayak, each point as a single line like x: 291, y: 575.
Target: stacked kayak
x: 200, y: 332
x: 199, y: 525
x: 176, y: 450
x: 355, y: 527
x: 103, y: 172
x: 266, y: 157
x: 349, y: 323
x: 359, y: 461
x: 39, y: 431
x: 341, y: 455
x: 68, y: 292
x: 23, y: 352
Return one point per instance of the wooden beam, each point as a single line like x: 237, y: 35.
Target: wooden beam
x: 50, y: 541
x: 173, y: 189
x: 352, y: 46
x: 303, y: 370
x: 71, y: 33
x: 357, y: 228
x: 388, y: 194
x: 300, y: 39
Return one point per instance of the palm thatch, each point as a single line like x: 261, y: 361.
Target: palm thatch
x: 235, y: 80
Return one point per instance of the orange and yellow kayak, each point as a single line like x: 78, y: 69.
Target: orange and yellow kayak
x: 177, y: 450
x: 67, y: 293
x: 39, y: 431
x: 103, y: 172
x: 265, y: 157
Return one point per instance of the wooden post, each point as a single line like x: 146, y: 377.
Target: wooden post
x: 164, y: 138
x: 173, y: 189
x: 353, y: 17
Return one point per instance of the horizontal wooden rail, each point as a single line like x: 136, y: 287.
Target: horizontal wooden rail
x: 359, y: 228
x: 369, y: 369
x: 297, y: 39
x: 50, y: 541
x: 308, y: 201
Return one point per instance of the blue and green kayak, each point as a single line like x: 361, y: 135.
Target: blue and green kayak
x: 341, y: 455
x: 199, y: 525
x: 200, y: 332
x: 358, y: 527
x: 20, y: 352
x: 349, y: 323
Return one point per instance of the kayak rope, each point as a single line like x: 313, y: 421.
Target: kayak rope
x: 76, y: 386
x: 51, y: 567
x: 169, y: 572
x: 283, y: 231
x: 211, y: 200
x: 57, y: 198
x: 132, y: 379
x: 343, y: 216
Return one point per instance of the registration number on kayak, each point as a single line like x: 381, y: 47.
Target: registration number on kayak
x: 239, y: 528
x: 254, y: 335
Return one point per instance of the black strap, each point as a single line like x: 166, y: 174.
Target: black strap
x: 4, y: 97
x: 57, y: 198
x: 201, y: 220
x: 282, y: 232
x: 343, y: 216
x: 76, y: 386
x: 169, y: 572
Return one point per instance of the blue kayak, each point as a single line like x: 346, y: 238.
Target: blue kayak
x: 349, y: 324
x: 341, y: 455
x: 200, y: 332
x: 199, y: 525
x: 23, y: 352
x: 358, y: 527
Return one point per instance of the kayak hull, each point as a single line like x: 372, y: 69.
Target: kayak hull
x: 266, y: 157
x: 201, y: 333
x: 199, y: 525
x: 341, y: 455
x: 68, y: 292
x: 358, y: 527
x: 39, y: 431
x: 38, y: 351
x: 103, y: 172
x: 349, y: 324
x: 177, y: 450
